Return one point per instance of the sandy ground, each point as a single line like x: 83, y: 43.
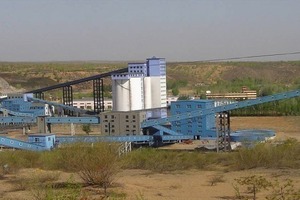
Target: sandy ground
x: 145, y: 185
x: 190, y: 184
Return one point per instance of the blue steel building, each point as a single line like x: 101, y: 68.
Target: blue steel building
x: 15, y: 103
x: 199, y: 127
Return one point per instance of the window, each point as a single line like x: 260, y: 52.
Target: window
x: 177, y: 106
x: 189, y: 106
x: 37, y: 139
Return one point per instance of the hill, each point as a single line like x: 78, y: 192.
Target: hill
x: 189, y: 78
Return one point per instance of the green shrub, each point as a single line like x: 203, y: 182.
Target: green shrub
x: 286, y: 154
x: 15, y: 160
x: 96, y: 164
x: 166, y: 160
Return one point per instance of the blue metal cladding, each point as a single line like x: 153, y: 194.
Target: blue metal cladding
x: 156, y: 67
x: 45, y: 140
x: 76, y: 139
x: 18, y: 144
x: 24, y: 120
x: 75, y: 120
x: 19, y: 107
x: 197, y: 126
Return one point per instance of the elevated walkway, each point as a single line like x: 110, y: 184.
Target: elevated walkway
x: 14, y: 113
x: 18, y: 144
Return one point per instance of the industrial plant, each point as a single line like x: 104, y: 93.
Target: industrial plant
x: 137, y: 113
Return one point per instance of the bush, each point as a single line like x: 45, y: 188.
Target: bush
x: 96, y: 164
x: 286, y: 154
x: 87, y: 128
x: 164, y: 160
x: 15, y: 160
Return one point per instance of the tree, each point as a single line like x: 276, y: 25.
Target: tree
x: 86, y: 128
x: 254, y: 184
x: 175, y: 91
x: 284, y: 190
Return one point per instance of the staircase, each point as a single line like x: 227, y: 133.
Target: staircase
x: 124, y: 148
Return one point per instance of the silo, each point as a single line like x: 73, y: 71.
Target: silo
x: 136, y: 93
x: 156, y: 92
x: 120, y: 93
x: 147, y: 92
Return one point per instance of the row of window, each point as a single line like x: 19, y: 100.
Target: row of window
x: 187, y: 106
x: 113, y: 130
x: 189, y: 131
x: 137, y: 71
x: 138, y: 67
x: 113, y: 117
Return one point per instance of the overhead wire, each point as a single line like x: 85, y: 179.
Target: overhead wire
x: 252, y: 56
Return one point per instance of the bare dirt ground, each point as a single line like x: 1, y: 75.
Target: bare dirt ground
x: 189, y: 184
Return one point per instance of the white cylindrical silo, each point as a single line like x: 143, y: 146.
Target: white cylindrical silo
x: 156, y: 92
x: 147, y: 93
x: 120, y: 90
x: 136, y: 93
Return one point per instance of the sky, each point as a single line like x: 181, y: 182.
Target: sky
x: 127, y: 30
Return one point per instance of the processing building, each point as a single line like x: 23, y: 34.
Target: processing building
x: 139, y: 94
x: 203, y: 126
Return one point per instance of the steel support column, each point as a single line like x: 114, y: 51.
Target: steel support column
x: 68, y: 98
x: 98, y: 95
x: 39, y: 95
x: 223, y: 131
